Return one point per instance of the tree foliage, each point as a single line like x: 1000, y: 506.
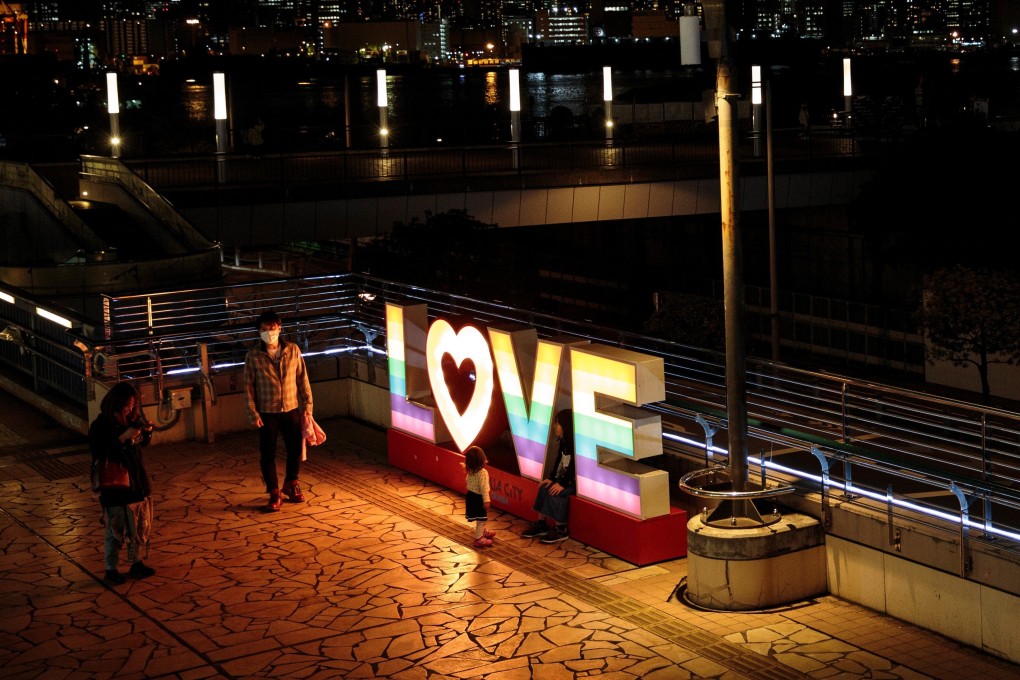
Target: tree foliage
x: 690, y: 320
x: 449, y: 251
x: 972, y: 316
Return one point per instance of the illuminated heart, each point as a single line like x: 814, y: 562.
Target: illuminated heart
x: 468, y: 344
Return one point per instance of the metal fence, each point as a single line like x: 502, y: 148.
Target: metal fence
x: 952, y: 463
x: 694, y: 153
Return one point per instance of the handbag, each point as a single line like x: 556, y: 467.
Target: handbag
x: 108, y: 475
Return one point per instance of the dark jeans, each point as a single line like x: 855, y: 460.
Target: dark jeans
x: 273, y: 425
x: 557, y: 507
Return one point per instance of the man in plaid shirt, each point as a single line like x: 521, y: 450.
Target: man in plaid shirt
x: 277, y: 393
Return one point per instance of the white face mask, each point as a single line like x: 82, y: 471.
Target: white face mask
x: 270, y: 337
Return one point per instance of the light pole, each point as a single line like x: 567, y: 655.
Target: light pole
x: 113, y: 107
x: 607, y: 97
x: 756, y: 100
x: 773, y: 258
x: 733, y: 258
x: 515, y: 114
x: 380, y: 97
x: 848, y: 90
x: 220, y: 115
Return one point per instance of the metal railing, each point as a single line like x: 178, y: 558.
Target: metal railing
x: 954, y: 464
x: 694, y: 153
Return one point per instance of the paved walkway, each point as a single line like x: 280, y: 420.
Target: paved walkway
x: 375, y: 577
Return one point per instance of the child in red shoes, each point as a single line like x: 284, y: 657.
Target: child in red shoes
x: 476, y: 504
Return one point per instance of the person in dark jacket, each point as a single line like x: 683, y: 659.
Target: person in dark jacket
x: 553, y: 499
x: 119, y: 432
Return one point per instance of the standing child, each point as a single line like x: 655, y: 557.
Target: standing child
x: 476, y: 506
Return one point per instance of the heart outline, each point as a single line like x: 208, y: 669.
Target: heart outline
x: 467, y: 343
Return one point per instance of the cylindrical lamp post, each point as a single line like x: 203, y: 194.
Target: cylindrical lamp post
x: 690, y: 37
x: 113, y: 107
x: 756, y: 100
x: 380, y: 96
x: 607, y: 97
x: 515, y: 113
x: 848, y: 90
x: 222, y: 128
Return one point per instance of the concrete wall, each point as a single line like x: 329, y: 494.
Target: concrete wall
x: 338, y: 219
x: 971, y: 613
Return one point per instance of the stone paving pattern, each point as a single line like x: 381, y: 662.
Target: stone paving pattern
x: 375, y: 577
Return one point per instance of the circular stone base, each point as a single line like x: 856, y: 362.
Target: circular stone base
x: 755, y: 568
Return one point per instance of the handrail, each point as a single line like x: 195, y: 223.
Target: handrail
x: 871, y: 434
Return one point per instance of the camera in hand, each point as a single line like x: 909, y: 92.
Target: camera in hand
x: 143, y: 425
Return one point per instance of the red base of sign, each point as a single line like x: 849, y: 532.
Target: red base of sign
x: 640, y: 542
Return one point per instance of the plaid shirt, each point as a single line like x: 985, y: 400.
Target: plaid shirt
x: 276, y: 387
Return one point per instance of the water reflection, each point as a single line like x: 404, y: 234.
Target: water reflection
x: 491, y: 88
x: 471, y: 106
x: 197, y: 102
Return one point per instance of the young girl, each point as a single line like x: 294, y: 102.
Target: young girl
x: 476, y: 504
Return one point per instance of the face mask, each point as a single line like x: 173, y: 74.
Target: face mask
x: 270, y: 337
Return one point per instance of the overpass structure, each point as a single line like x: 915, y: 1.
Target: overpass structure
x: 253, y: 201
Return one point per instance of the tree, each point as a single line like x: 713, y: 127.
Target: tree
x: 972, y: 316
x: 690, y: 320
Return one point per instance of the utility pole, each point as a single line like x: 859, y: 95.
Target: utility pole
x: 733, y: 258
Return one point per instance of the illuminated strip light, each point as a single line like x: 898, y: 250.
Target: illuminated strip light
x: 849, y: 488
x: 6, y: 297
x: 66, y: 323
x: 219, y: 96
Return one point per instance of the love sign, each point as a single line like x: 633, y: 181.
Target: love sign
x: 605, y: 386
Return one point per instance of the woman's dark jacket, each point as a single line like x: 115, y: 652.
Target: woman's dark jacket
x: 103, y: 441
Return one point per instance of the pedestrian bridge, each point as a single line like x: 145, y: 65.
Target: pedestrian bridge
x: 240, y: 200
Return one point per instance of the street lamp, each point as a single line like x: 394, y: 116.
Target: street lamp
x: 515, y: 113
x: 113, y: 107
x: 690, y: 37
x: 848, y: 89
x: 380, y: 96
x: 756, y: 100
x: 733, y: 258
x: 607, y: 97
x: 220, y: 116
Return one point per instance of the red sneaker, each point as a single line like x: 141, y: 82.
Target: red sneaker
x: 275, y: 500
x: 483, y: 542
x: 489, y: 535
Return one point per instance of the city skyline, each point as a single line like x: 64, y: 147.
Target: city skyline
x: 171, y: 28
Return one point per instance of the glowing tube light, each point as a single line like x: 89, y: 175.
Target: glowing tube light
x: 871, y: 495
x: 6, y: 297
x: 53, y: 317
x: 607, y: 84
x: 112, y: 95
x: 690, y: 41
x: 219, y: 96
x: 847, y: 87
x: 380, y: 87
x: 515, y: 89
x: 756, y: 85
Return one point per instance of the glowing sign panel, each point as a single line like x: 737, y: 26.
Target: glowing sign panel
x: 607, y: 386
